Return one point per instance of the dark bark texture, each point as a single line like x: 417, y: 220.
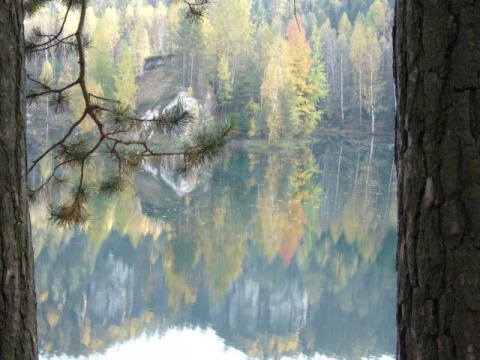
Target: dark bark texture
x: 17, y: 292
x: 437, y: 72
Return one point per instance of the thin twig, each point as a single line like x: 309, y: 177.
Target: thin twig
x: 295, y: 14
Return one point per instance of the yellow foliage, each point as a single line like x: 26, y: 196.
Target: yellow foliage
x: 52, y: 317
x: 86, y: 333
x: 43, y: 297
x: 48, y: 347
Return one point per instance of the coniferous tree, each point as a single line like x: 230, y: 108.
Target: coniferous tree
x: 317, y: 79
x: 224, y: 88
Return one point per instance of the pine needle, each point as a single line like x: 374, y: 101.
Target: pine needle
x: 113, y: 185
x: 69, y: 214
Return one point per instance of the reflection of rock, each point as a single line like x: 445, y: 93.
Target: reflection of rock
x: 180, y: 184
x: 111, y: 298
x: 245, y: 307
x: 288, y: 309
x: 253, y: 308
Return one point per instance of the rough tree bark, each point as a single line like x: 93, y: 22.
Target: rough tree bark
x: 17, y: 293
x: 437, y: 71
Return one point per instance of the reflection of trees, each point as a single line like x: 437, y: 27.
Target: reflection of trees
x: 288, y: 194
x: 274, y: 253
x: 222, y: 230
x: 348, y: 269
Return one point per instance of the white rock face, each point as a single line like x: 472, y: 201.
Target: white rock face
x: 179, y: 184
x: 187, y: 102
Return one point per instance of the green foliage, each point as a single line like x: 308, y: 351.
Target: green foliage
x: 276, y: 90
x: 224, y: 92
x: 112, y: 185
x: 317, y: 80
x: 46, y: 76
x: 125, y: 87
x: 210, y: 139
x: 140, y: 45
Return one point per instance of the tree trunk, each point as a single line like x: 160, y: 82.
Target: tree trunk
x: 338, y: 177
x: 191, y: 71
x: 371, y: 94
x: 360, y: 97
x: 17, y: 292
x: 437, y: 67
x: 184, y: 70
x: 342, y: 107
x: 370, y: 157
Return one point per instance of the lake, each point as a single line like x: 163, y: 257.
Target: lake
x: 264, y: 254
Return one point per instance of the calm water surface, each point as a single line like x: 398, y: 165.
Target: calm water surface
x: 263, y: 255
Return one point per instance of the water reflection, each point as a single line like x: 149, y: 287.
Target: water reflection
x: 277, y: 254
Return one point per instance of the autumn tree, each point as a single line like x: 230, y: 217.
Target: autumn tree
x: 230, y: 39
x: 140, y: 44
x: 344, y: 30
x: 125, y: 87
x: 373, y: 74
x: 358, y: 57
x: 300, y: 62
x: 100, y: 61
x: 276, y: 90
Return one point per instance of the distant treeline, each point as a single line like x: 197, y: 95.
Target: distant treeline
x: 281, y: 76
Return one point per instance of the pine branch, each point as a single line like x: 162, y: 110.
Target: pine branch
x: 207, y: 143
x: 32, y: 6
x: 69, y: 214
x: 73, y: 154
x: 116, y: 129
x: 58, y: 143
x: 112, y: 185
x: 196, y: 10
x: 47, y: 89
x: 174, y: 120
x: 52, y: 38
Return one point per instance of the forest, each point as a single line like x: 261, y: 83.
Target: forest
x: 283, y: 72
